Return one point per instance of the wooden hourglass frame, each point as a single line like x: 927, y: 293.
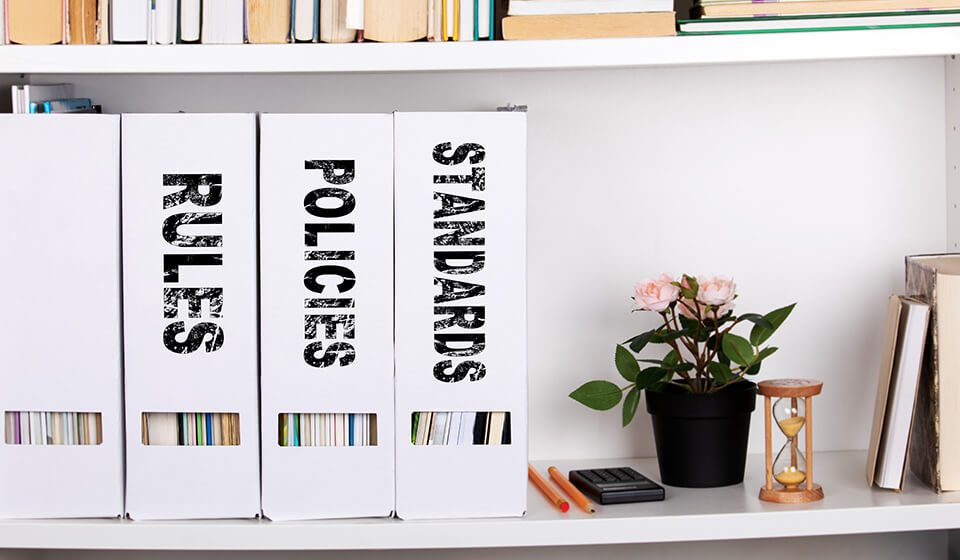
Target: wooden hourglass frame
x: 796, y: 395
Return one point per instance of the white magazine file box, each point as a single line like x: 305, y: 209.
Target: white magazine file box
x: 326, y: 245
x: 215, y: 157
x: 475, y: 156
x: 60, y: 328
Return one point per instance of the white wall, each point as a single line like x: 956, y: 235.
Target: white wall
x: 808, y: 182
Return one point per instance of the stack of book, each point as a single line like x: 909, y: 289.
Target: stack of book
x: 166, y: 22
x: 770, y: 16
x: 588, y: 19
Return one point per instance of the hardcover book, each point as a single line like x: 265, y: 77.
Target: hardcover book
x: 190, y: 314
x: 935, y: 450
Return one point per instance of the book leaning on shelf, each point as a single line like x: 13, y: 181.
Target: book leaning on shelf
x: 62, y: 454
x: 893, y: 417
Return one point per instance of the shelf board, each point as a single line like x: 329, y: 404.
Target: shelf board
x: 732, y: 512
x: 480, y: 55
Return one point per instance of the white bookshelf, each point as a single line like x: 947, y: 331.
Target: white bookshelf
x: 686, y: 515
x: 480, y: 55
x: 842, y: 145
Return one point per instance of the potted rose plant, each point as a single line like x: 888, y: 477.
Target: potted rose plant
x: 698, y: 394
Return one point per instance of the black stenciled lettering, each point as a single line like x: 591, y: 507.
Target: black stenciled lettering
x: 327, y: 303
x: 459, y: 234
x: 454, y: 205
x: 206, y: 335
x: 475, y: 152
x: 465, y: 316
x: 471, y: 262
x: 347, y: 324
x: 474, y: 344
x: 328, y: 255
x: 172, y: 264
x: 194, y: 298
x: 311, y: 231
x: 452, y: 290
x: 468, y: 368
x: 346, y: 202
x: 312, y: 278
x: 212, y: 183
x: 341, y: 353
x: 477, y: 179
x: 173, y: 223
x: 335, y: 171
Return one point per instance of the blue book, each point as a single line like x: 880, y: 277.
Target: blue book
x: 296, y: 430
x: 476, y: 20
x: 65, y: 105
x: 209, y: 420
x: 351, y: 429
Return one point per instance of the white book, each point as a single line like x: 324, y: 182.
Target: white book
x: 568, y: 7
x: 190, y: 14
x: 467, y: 20
x: 304, y: 20
x: 450, y: 22
x: 103, y: 22
x: 333, y: 22
x: 453, y: 429
x: 899, y: 394
x: 91, y: 429
x: 190, y: 293
x: 326, y: 278
x: 354, y: 18
x: 163, y: 22
x: 484, y: 18
x: 466, y: 428
x: 460, y: 192
x: 438, y: 432
x: 222, y: 22
x: 162, y: 428
x: 80, y: 194
x: 24, y: 95
x: 24, y: 428
x: 130, y: 21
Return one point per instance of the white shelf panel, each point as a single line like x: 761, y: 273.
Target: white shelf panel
x: 687, y: 515
x: 483, y: 55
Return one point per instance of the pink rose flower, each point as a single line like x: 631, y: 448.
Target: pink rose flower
x: 656, y: 295
x: 717, y: 291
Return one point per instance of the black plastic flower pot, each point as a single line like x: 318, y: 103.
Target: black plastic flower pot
x: 702, y: 438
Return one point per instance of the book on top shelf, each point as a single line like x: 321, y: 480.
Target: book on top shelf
x: 82, y: 22
x: 572, y: 7
x: 130, y: 21
x: 741, y: 9
x: 590, y: 26
x: 268, y: 21
x: 35, y: 22
x: 333, y: 22
x: 819, y: 22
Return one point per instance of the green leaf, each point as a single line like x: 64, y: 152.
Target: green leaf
x: 760, y: 333
x: 757, y: 319
x: 598, y: 395
x: 737, y: 349
x: 753, y: 370
x: 720, y: 372
x: 638, y: 342
x: 649, y: 377
x: 671, y: 359
x: 626, y: 364
x: 630, y: 403
x: 766, y: 353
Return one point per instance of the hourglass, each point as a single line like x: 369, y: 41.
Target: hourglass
x: 789, y: 477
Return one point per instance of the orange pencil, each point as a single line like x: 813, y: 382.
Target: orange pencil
x: 548, y: 492
x: 571, y: 490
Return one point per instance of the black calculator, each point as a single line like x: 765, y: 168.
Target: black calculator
x: 620, y: 485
